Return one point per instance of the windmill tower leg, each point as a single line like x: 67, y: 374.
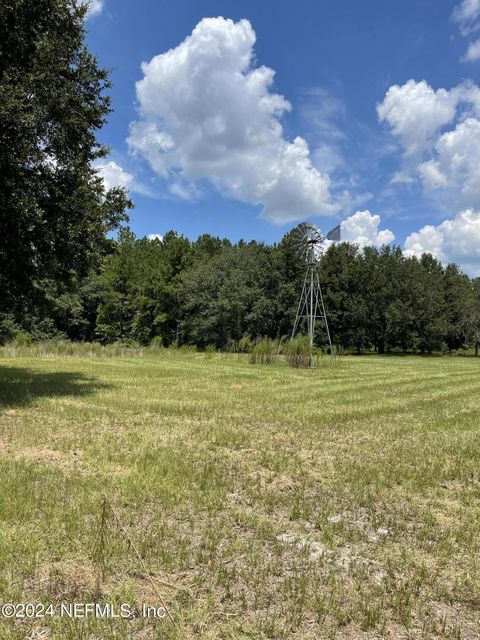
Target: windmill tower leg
x: 324, y: 316
x: 311, y: 318
x: 301, y: 307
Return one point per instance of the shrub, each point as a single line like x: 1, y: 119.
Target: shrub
x: 22, y: 339
x: 8, y: 328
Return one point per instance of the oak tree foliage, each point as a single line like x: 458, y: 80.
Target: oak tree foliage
x: 54, y: 211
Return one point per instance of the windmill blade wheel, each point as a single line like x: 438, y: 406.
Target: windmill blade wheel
x: 308, y: 241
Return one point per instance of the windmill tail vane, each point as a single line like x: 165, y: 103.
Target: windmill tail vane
x: 334, y: 234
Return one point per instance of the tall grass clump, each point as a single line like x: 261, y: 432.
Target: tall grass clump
x: 65, y: 348
x: 156, y: 343
x: 187, y: 348
x: 245, y: 344
x: 175, y: 349
x: 265, y: 351
x: 210, y: 351
x: 297, y: 352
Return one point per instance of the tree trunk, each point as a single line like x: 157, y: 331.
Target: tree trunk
x: 477, y: 345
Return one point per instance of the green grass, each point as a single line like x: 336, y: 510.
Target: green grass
x: 267, y: 502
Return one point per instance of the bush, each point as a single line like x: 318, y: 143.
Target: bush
x: 22, y: 339
x: 8, y: 328
x: 45, y: 330
x: 106, y: 334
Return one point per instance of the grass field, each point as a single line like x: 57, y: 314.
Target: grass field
x: 265, y: 502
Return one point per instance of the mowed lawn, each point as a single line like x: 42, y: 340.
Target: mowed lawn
x: 265, y: 502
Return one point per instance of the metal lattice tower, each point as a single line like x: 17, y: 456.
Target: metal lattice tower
x: 310, y: 245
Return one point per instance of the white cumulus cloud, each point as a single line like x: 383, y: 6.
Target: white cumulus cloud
x: 428, y: 240
x: 206, y: 112
x: 155, y: 236
x: 454, y: 240
x: 455, y: 165
x: 440, y: 135
x: 415, y: 113
x: 113, y: 175
x: 362, y: 229
x: 445, y: 157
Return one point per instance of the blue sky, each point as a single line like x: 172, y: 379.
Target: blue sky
x: 377, y: 150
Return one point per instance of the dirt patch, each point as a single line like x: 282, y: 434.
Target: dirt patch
x: 76, y: 581
x: 63, y: 581
x: 68, y: 461
x: 65, y: 460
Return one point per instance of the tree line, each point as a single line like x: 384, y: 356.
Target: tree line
x: 211, y: 292
x: 64, y: 275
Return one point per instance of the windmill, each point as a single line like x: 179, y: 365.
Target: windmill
x: 309, y: 244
